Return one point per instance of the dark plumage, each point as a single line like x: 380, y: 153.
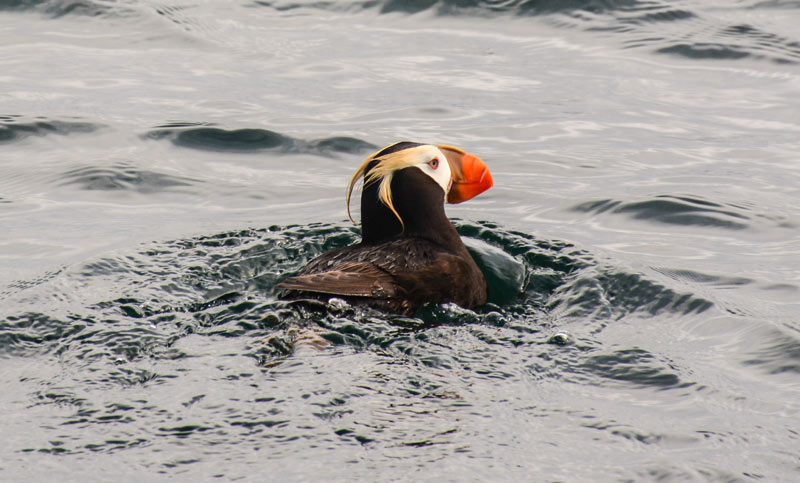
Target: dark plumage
x: 410, y: 253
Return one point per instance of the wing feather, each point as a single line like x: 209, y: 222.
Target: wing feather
x: 406, y: 273
x: 358, y: 279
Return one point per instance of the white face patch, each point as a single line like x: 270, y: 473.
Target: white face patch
x: 434, y: 164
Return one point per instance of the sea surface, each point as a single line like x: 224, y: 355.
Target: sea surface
x: 163, y: 164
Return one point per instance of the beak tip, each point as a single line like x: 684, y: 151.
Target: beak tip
x: 486, y: 179
x: 471, y: 176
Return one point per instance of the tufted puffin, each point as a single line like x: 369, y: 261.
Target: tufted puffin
x: 410, y: 253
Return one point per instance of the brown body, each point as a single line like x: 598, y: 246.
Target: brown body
x: 399, y: 265
x: 396, y: 276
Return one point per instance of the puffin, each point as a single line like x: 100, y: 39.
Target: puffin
x: 410, y: 253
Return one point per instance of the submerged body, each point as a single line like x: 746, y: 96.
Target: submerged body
x: 396, y: 276
x: 410, y: 253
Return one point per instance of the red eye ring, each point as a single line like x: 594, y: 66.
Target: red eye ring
x: 434, y: 163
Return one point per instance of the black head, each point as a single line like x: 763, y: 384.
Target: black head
x: 417, y: 198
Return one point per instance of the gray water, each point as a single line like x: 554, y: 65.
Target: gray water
x: 164, y: 164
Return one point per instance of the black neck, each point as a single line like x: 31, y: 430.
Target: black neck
x: 419, y: 200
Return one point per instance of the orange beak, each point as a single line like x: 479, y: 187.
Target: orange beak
x: 470, y: 176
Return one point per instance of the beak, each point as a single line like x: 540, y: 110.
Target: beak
x: 470, y: 176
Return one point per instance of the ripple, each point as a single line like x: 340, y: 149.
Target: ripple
x: 223, y: 285
x: 636, y: 366
x: 122, y: 177
x: 704, y: 51
x: 701, y: 36
x: 14, y: 128
x: 781, y: 355
x: 693, y: 33
x: 587, y: 362
x: 606, y: 293
x: 207, y: 138
x: 60, y: 8
x: 20, y: 285
x: 185, y: 340
x: 673, y: 210
x: 32, y: 333
x: 722, y: 281
x: 458, y: 7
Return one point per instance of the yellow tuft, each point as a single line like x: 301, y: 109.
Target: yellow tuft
x: 383, y: 172
x: 452, y: 148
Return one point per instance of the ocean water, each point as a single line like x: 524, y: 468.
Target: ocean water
x: 164, y: 164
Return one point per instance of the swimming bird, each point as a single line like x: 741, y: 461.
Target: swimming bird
x: 410, y: 254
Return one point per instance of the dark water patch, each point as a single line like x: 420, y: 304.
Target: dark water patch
x: 693, y: 33
x: 223, y: 286
x: 546, y: 264
x: 629, y: 434
x: 722, y: 281
x: 128, y: 377
x: 700, y: 472
x: 673, y: 210
x: 195, y: 327
x: 209, y: 138
x: 216, y: 139
x: 632, y: 366
x: 781, y: 4
x: 55, y: 448
x: 663, y: 13
x: 606, y: 293
x: 587, y: 362
x: 739, y: 41
x: 780, y: 356
x: 114, y: 340
x: 61, y: 399
x: 505, y: 274
x: 20, y: 285
x: 113, y: 445
x: 61, y: 8
x: 340, y: 144
x: 457, y: 7
x: 598, y: 206
x: 32, y: 333
x: 705, y: 51
x: 183, y: 431
x: 266, y: 423
x: 635, y: 435
x: 15, y: 128
x: 701, y: 36
x: 220, y: 285
x: 122, y: 176
x: 156, y: 304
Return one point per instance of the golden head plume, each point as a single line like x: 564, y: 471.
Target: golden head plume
x: 384, y: 170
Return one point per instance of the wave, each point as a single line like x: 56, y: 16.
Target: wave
x: 122, y: 176
x: 224, y: 285
x: 14, y: 128
x: 60, y: 8
x: 730, y: 42
x: 661, y: 26
x: 196, y: 311
x: 457, y: 7
x: 673, y: 210
x: 781, y: 355
x: 208, y: 138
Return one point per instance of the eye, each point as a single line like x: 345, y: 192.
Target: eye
x: 434, y: 163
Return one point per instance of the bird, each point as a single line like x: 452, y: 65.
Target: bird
x: 410, y: 253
